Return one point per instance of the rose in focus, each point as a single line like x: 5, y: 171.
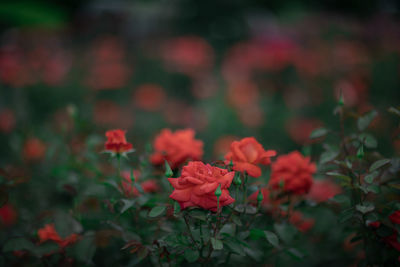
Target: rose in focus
x: 197, y: 184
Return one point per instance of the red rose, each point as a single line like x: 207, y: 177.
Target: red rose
x: 294, y: 171
x: 116, y: 142
x: 197, y: 184
x: 176, y: 147
x: 8, y: 215
x: 48, y: 232
x: 246, y: 154
x: 129, y: 189
x: 34, y: 149
x: 395, y: 217
x: 322, y: 190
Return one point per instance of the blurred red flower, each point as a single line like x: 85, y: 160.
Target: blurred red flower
x: 294, y: 172
x: 8, y: 215
x: 7, y: 120
x: 116, y: 142
x: 301, y: 223
x: 392, y: 240
x: 176, y: 147
x: 197, y: 184
x: 299, y: 129
x: 395, y: 217
x: 149, y: 97
x: 190, y: 55
x: 48, y: 232
x: 246, y: 154
x: 108, y: 69
x: 322, y: 190
x: 375, y: 224
x: 34, y: 149
x: 223, y: 144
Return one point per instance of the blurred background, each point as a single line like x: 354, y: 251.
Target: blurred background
x: 269, y: 69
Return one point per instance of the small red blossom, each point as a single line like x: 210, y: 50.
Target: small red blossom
x: 374, y: 224
x: 8, y: 215
x: 116, y: 142
x: 197, y: 184
x: 294, y: 172
x: 34, y: 149
x: 301, y: 223
x: 395, y: 217
x: 48, y: 232
x: 176, y: 147
x: 246, y: 154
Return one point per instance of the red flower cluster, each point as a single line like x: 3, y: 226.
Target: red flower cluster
x: 246, y: 154
x: 116, y: 142
x: 176, y: 147
x: 197, y: 184
x: 294, y: 171
x: 48, y: 232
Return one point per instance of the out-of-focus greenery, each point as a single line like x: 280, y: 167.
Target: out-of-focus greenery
x: 274, y: 70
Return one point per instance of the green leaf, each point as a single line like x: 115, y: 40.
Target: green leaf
x: 328, y: 156
x: 369, y: 178
x: 394, y: 111
x: 339, y: 175
x: 236, y: 220
x: 368, y: 140
x: 216, y: 244
x: 295, y: 253
x: 374, y: 189
x: 378, y: 164
x: 285, y: 231
x: 272, y: 238
x: 235, y: 247
x: 198, y: 214
x: 341, y: 199
x: 365, y: 208
x: 157, y: 211
x: 168, y: 171
x: 127, y: 204
x: 317, y: 133
x: 18, y: 243
x: 191, y: 255
x: 256, y: 234
x: 46, y: 248
x: 66, y: 225
x: 364, y: 121
x: 84, y: 250
x: 346, y: 216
